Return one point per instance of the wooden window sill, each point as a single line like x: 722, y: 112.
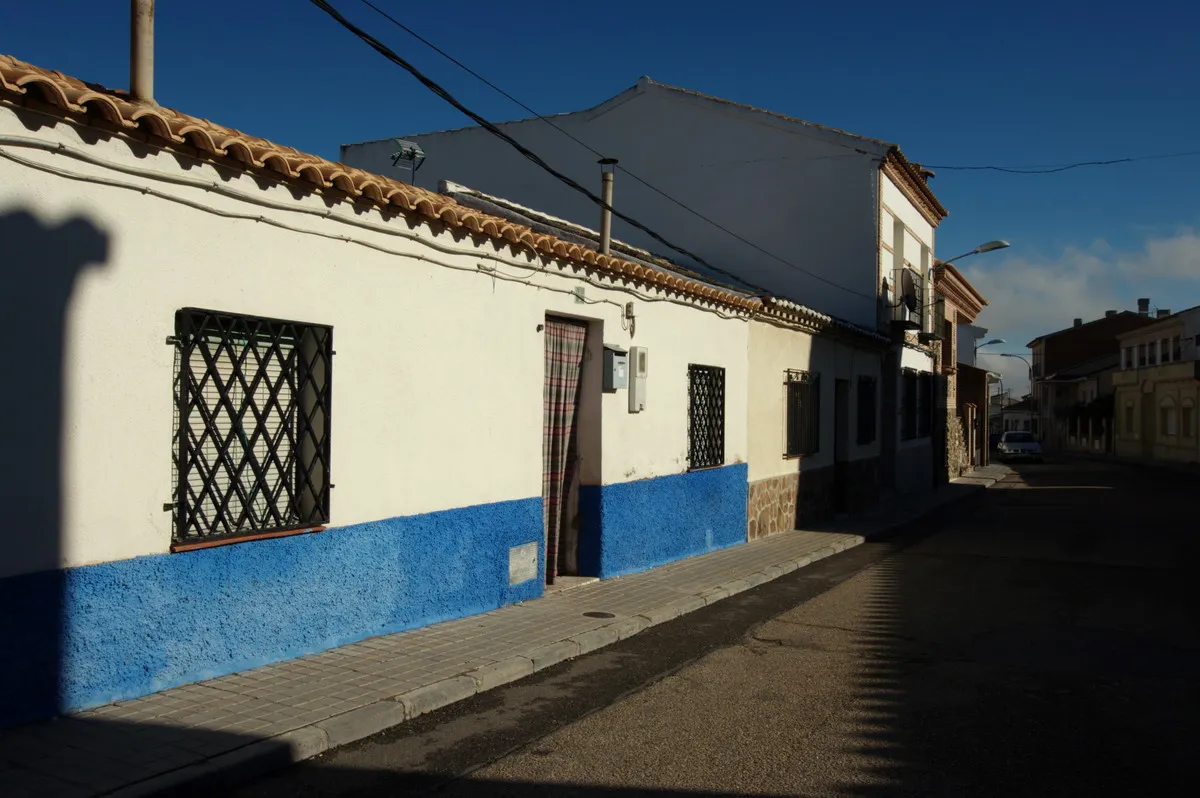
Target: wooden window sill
x: 208, y: 544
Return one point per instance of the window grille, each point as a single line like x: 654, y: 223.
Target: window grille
x: 252, y: 409
x: 803, y: 413
x: 866, y: 410
x: 706, y: 416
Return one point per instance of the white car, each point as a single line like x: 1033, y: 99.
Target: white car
x: 1019, y: 446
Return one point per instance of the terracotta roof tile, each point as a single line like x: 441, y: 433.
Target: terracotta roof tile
x: 90, y: 104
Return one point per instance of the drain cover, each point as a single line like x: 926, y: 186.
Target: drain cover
x: 598, y: 615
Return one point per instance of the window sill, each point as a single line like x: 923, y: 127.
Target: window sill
x: 705, y: 468
x: 208, y: 544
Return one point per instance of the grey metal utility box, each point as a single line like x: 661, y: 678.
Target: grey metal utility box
x: 616, y: 368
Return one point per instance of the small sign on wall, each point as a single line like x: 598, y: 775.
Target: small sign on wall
x: 522, y: 563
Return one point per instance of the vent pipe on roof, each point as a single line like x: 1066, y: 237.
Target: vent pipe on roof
x: 607, y: 167
x: 1144, y: 306
x: 1163, y: 313
x: 1108, y: 314
x: 1078, y: 322
x: 141, y: 50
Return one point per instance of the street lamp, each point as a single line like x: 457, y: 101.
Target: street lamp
x: 989, y: 343
x: 990, y: 246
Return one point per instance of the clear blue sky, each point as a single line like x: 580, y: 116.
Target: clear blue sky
x: 1009, y: 84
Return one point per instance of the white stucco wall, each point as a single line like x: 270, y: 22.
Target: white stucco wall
x: 798, y: 195
x: 774, y: 350
x: 919, y: 230
x: 438, y: 377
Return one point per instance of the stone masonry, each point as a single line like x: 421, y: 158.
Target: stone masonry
x: 772, y: 506
x: 802, y: 500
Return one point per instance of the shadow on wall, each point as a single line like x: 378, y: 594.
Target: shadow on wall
x: 40, y: 261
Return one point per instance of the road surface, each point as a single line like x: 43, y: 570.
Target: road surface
x: 1041, y: 639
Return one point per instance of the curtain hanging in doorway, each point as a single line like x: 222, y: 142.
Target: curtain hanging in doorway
x: 564, y: 363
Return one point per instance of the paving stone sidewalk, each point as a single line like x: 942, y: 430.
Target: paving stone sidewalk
x: 235, y: 727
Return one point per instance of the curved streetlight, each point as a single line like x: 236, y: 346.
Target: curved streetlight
x: 989, y: 246
x: 989, y: 343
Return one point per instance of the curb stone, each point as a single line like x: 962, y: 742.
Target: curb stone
x: 275, y: 753
x: 497, y: 673
x: 429, y: 697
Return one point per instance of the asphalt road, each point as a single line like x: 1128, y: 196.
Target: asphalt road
x: 1041, y: 639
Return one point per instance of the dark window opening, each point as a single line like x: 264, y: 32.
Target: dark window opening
x: 866, y: 410
x: 252, y: 404
x: 908, y: 404
x: 706, y: 416
x: 803, y: 413
x: 924, y: 404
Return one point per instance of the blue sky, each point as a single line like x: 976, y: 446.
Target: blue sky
x: 1007, y: 84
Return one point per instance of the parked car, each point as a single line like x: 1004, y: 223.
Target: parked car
x: 1019, y: 446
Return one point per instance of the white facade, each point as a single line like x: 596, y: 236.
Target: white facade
x: 809, y: 198
x: 773, y: 351
x: 439, y: 365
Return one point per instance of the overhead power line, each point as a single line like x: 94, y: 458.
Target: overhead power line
x: 391, y: 55
x: 1048, y: 169
x: 537, y: 160
x: 633, y: 176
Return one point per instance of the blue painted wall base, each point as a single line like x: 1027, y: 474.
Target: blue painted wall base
x: 95, y: 634
x: 632, y: 526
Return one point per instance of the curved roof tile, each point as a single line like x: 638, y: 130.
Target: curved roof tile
x: 87, y: 103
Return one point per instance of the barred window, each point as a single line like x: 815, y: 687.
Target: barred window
x: 252, y: 402
x: 866, y: 410
x: 803, y: 400
x: 706, y: 416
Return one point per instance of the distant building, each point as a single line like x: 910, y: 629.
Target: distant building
x: 1158, y: 390
x: 1082, y: 342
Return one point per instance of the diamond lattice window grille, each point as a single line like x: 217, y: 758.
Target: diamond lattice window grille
x: 252, y: 411
x: 706, y: 416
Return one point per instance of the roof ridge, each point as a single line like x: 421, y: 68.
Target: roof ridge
x: 647, y: 80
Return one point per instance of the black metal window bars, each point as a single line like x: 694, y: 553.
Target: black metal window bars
x: 252, y: 411
x: 706, y: 416
x: 803, y: 400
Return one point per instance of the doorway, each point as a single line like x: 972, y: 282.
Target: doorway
x: 565, y: 346
x: 841, y: 446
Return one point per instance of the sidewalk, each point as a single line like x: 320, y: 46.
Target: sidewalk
x: 1185, y: 469
x: 235, y: 727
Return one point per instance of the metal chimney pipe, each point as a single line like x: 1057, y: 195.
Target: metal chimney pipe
x: 607, y: 167
x: 141, y: 50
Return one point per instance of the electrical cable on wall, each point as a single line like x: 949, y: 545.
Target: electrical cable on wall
x: 633, y: 176
x: 533, y: 157
x: 217, y: 188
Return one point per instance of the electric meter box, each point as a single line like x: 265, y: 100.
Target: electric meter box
x: 616, y: 368
x: 639, y: 368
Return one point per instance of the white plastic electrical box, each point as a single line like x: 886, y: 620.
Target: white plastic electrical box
x: 616, y: 368
x: 638, y: 368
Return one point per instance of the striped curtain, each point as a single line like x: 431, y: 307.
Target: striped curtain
x: 560, y: 402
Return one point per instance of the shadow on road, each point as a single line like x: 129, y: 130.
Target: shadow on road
x: 1047, y: 648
